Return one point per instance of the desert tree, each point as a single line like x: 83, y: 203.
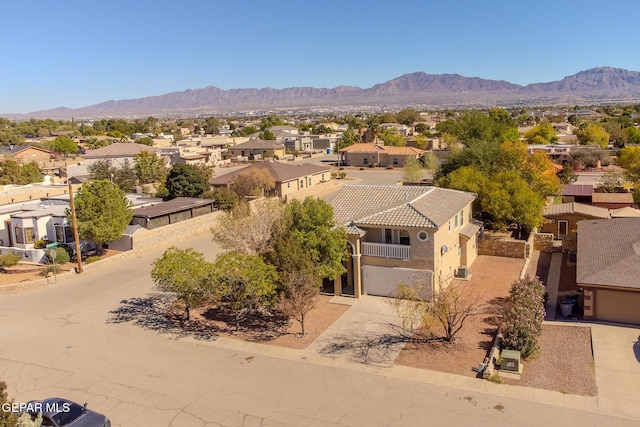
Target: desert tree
x: 102, y: 211
x: 185, y: 272
x: 438, y: 311
x: 300, y: 295
x: 243, y: 283
x: 247, y: 228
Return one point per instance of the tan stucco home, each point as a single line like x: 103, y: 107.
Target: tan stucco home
x: 118, y: 153
x: 289, y: 179
x: 257, y: 148
x: 562, y: 219
x: 25, y: 154
x: 400, y: 233
x: 608, y: 268
x: 364, y: 154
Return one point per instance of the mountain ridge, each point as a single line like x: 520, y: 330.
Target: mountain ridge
x: 597, y: 84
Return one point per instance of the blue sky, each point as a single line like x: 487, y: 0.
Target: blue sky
x: 75, y: 53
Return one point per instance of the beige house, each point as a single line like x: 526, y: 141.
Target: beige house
x: 562, y: 219
x: 608, y: 267
x: 400, y: 234
x: 290, y: 180
x: 118, y: 154
x: 256, y: 149
x: 364, y: 154
x: 25, y: 154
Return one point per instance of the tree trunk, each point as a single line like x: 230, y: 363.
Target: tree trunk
x: 302, y: 324
x: 187, y: 309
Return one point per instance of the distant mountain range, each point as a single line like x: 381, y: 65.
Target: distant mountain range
x: 597, y: 85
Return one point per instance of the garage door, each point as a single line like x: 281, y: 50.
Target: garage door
x: 618, y: 306
x: 384, y: 281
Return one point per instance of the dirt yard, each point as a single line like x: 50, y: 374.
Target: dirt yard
x: 267, y: 329
x: 564, y: 362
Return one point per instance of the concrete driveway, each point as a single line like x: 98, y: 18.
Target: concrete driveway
x: 616, y: 352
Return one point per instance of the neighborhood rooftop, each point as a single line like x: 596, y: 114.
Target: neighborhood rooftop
x: 609, y: 252
x: 398, y: 205
x: 280, y: 172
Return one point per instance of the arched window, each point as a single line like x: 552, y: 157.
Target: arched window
x: 404, y: 237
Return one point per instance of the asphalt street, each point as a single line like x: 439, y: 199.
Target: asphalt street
x: 100, y: 337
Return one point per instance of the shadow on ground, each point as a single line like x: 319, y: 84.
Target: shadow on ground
x: 155, y: 313
x: 373, y: 349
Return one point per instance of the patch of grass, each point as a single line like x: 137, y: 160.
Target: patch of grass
x: 495, y: 378
x: 92, y: 259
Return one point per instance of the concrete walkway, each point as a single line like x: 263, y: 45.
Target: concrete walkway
x: 553, y: 282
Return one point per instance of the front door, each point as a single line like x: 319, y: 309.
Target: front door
x: 563, y: 228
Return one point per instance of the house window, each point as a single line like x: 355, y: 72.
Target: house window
x: 456, y: 221
x: 19, y: 235
x: 423, y: 236
x: 462, y: 217
x: 302, y: 183
x: 449, y: 225
x: 395, y: 162
x: 64, y: 234
x: 365, y: 161
x: 309, y: 182
x: 404, y: 237
x: 323, y: 177
x: 28, y: 235
x: 387, y: 235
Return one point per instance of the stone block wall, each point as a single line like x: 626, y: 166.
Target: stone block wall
x: 543, y: 242
x: 504, y: 248
x: 570, y: 243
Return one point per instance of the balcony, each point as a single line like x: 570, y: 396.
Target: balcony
x: 385, y: 250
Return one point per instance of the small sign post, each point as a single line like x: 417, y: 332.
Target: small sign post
x: 53, y: 254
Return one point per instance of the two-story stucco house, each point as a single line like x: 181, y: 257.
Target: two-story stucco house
x: 403, y: 233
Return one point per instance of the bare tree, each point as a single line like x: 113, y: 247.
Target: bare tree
x: 445, y: 308
x: 247, y: 228
x: 300, y: 296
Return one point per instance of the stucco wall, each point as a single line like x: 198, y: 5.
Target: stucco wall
x: 172, y: 232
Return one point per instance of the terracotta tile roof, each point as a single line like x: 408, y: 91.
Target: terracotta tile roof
x: 365, y: 147
x: 408, y: 206
x: 281, y: 172
x: 575, y: 208
x: 128, y: 149
x: 609, y: 252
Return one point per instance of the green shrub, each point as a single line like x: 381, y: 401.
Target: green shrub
x: 62, y: 256
x: 92, y: 259
x: 7, y: 260
x: 523, y: 320
x: 342, y: 175
x: 41, y: 244
x: 45, y: 271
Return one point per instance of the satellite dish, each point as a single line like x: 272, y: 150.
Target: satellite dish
x: 444, y: 249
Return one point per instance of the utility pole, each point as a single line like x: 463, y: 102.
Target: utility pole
x: 74, y: 224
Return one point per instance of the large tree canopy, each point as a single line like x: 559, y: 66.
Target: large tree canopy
x: 102, y: 211
x: 187, y: 181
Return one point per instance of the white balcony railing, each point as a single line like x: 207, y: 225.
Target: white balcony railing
x: 385, y: 250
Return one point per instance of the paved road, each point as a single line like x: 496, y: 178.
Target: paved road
x: 100, y: 337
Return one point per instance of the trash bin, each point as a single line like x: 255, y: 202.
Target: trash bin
x: 566, y: 307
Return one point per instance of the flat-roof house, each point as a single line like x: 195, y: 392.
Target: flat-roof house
x: 612, y: 200
x: 608, y: 268
x: 170, y: 212
x: 398, y: 234
x: 562, y: 219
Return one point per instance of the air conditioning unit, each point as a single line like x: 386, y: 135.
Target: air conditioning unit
x: 462, y: 272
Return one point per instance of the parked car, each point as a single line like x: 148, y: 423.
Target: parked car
x: 58, y: 412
